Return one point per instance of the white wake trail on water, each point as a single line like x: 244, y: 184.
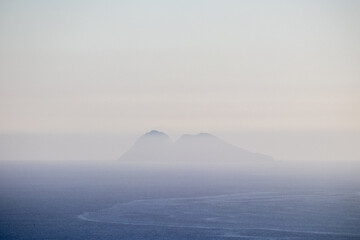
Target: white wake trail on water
x: 234, y: 212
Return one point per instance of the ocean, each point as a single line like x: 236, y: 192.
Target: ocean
x: 115, y: 201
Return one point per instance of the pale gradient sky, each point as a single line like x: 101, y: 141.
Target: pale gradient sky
x: 225, y: 67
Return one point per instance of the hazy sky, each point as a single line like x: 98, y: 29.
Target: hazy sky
x: 179, y: 66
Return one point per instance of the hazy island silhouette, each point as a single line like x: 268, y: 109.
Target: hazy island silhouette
x: 203, y: 147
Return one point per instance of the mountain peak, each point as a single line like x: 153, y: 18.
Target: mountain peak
x: 152, y: 145
x: 152, y: 135
x: 155, y: 132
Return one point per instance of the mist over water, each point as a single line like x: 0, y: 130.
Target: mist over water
x: 196, y: 187
x: 125, y: 200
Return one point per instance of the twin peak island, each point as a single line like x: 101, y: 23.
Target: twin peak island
x: 156, y: 146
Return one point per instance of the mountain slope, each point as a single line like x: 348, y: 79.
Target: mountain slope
x: 209, y: 148
x: 153, y: 146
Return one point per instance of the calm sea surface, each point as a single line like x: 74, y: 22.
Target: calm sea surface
x: 52, y: 201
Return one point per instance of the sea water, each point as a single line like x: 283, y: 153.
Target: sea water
x: 52, y: 201
x: 306, y: 214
